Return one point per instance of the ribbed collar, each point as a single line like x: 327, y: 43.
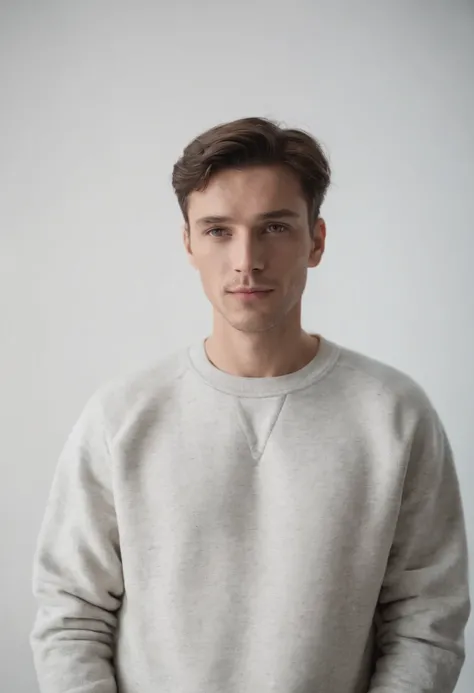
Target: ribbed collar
x: 239, y: 386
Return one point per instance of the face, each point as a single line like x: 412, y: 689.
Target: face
x: 249, y: 230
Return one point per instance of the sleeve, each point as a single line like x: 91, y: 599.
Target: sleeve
x: 424, y: 602
x: 77, y: 575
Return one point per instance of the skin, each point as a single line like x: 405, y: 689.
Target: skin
x: 258, y: 335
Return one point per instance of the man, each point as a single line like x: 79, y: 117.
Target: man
x: 267, y: 510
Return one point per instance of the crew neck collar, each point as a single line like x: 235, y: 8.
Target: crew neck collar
x: 240, y: 386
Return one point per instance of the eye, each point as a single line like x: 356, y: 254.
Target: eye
x: 276, y: 228
x: 216, y: 232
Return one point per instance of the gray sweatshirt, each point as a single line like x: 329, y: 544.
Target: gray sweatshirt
x: 208, y: 533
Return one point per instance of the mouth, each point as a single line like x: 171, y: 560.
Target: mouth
x: 251, y: 290
x: 251, y: 294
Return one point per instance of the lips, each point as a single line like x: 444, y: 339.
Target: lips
x: 251, y: 291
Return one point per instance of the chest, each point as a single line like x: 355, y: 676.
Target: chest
x: 302, y: 474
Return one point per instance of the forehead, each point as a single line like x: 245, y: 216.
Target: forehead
x: 248, y: 192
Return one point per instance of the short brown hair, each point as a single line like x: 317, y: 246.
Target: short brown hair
x: 253, y: 141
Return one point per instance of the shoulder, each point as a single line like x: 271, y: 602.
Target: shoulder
x: 384, y: 399
x: 131, y: 395
x: 368, y: 379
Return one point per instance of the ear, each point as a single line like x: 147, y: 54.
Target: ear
x: 187, y: 244
x: 318, y: 243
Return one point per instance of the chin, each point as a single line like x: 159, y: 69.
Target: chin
x: 254, y: 326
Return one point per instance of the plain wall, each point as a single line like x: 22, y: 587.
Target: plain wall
x: 97, y: 102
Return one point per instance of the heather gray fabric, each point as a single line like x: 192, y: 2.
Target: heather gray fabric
x: 207, y: 533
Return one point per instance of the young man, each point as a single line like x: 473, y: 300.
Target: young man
x: 267, y: 510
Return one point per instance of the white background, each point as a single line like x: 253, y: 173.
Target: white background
x: 97, y: 101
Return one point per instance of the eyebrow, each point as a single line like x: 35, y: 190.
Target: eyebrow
x: 273, y: 214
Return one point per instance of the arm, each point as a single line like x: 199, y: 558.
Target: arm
x: 424, y: 601
x: 77, y: 572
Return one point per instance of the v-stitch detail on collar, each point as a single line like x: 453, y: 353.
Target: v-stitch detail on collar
x: 256, y: 443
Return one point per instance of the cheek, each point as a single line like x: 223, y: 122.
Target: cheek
x: 291, y: 263
x: 211, y: 271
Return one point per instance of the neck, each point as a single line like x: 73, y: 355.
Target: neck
x: 262, y: 354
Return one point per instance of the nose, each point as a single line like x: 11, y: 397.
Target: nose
x: 247, y: 254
